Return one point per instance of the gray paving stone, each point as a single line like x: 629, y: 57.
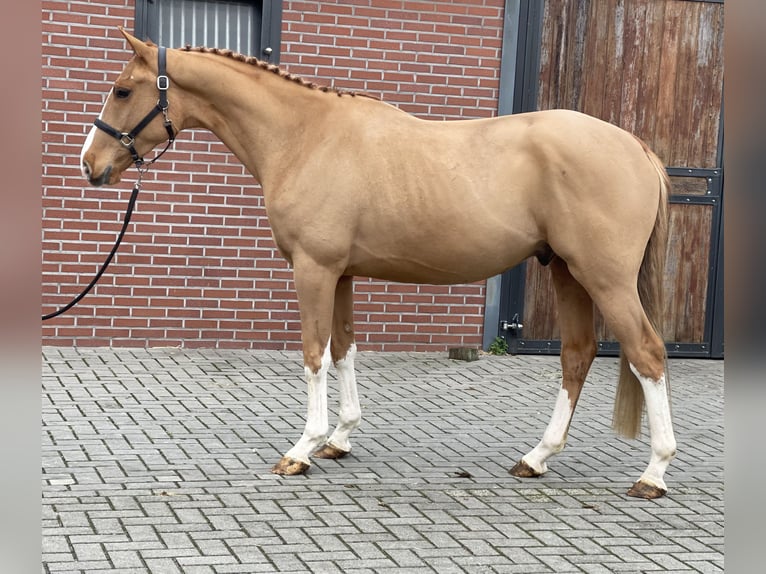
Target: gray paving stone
x: 157, y: 462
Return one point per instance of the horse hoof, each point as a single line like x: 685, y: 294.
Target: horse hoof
x: 330, y: 451
x: 290, y: 467
x: 645, y: 490
x: 523, y: 470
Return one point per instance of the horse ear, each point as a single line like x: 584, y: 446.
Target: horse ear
x: 141, y: 49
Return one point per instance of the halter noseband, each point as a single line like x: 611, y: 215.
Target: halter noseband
x: 128, y: 139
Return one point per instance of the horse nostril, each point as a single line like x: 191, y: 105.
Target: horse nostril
x: 86, y: 171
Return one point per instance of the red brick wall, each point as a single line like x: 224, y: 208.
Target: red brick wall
x: 198, y: 266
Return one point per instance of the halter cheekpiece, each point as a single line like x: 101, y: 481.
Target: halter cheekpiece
x: 128, y: 139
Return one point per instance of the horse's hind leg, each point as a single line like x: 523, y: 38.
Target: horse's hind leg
x: 343, y: 350
x: 644, y: 351
x: 578, y: 349
x: 651, y: 484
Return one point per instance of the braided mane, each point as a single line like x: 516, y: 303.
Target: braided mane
x: 272, y: 68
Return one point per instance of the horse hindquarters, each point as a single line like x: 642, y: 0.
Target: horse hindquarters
x: 626, y: 285
x: 636, y: 318
x: 648, y: 384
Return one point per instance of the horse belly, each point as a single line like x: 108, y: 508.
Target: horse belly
x: 443, y: 257
x: 420, y: 271
x: 445, y: 226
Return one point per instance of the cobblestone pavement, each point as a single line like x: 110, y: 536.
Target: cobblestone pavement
x: 159, y: 461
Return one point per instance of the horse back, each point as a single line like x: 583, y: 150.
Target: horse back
x: 446, y: 202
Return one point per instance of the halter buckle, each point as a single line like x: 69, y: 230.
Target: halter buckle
x: 163, y: 82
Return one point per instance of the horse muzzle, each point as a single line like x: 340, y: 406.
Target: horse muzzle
x: 97, y: 181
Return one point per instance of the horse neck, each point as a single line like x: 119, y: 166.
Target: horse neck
x: 256, y: 113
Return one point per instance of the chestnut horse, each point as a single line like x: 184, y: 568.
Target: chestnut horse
x: 354, y: 186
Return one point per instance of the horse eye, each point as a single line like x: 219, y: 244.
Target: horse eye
x: 122, y: 93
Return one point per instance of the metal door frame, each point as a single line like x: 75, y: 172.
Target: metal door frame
x: 519, y: 60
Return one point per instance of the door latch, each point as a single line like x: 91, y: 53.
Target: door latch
x: 512, y: 325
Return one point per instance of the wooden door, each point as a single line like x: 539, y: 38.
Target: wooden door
x: 655, y: 68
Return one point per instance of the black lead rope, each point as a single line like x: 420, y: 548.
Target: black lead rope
x: 127, y: 140
x: 128, y: 213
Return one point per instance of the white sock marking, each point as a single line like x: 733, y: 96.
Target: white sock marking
x: 350, y: 412
x: 555, y: 435
x: 315, y: 433
x: 662, y: 439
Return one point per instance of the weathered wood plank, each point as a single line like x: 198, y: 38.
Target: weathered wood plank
x: 634, y: 46
x: 708, y: 83
x: 689, y: 185
x: 648, y: 95
x: 597, y: 66
x: 687, y: 272
x: 661, y: 139
x: 540, y: 316
x: 614, y: 52
x: 682, y: 125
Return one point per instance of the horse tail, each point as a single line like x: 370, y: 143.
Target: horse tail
x: 629, y: 400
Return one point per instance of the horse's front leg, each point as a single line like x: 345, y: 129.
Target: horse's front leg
x: 316, y: 288
x: 343, y: 351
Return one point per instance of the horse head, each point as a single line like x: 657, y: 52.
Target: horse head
x: 131, y: 121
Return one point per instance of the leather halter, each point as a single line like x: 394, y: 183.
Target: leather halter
x: 128, y: 139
